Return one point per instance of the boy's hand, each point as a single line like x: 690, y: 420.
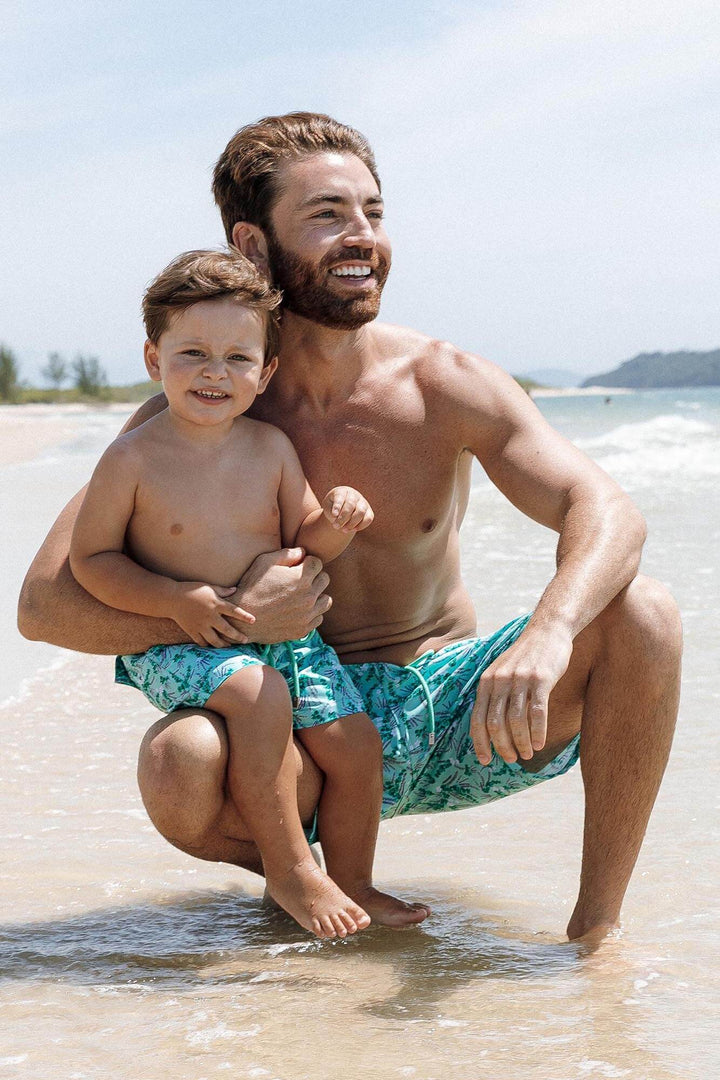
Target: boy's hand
x: 347, y: 510
x: 203, y: 613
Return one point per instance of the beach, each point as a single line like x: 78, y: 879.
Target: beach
x: 120, y: 956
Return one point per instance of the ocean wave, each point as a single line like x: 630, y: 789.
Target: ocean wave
x: 664, y: 445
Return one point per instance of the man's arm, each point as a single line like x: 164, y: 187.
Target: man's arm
x: 601, y: 534
x: 284, y: 591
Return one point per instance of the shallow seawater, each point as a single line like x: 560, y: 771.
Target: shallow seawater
x: 121, y: 957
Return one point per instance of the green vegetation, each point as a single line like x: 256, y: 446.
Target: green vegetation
x: 655, y: 370
x: 86, y: 373
x: 9, y: 383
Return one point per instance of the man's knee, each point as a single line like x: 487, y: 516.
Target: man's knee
x: 181, y: 774
x: 645, y: 619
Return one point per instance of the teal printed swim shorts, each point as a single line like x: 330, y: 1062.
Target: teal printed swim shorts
x: 422, y: 712
x: 185, y: 676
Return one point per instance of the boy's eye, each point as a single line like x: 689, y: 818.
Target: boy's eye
x: 193, y: 352
x: 239, y: 356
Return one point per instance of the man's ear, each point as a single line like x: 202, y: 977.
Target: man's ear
x: 267, y: 373
x: 250, y: 241
x: 151, y: 361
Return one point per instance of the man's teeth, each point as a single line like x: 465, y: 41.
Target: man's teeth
x: 351, y: 271
x: 210, y: 393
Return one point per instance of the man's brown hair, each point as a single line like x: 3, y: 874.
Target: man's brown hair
x: 245, y: 179
x: 195, y: 276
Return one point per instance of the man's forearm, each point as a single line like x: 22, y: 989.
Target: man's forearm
x: 598, y: 554
x: 61, y: 612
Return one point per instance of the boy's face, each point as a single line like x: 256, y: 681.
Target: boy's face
x: 210, y: 361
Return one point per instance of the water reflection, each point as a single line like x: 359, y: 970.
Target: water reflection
x: 220, y: 938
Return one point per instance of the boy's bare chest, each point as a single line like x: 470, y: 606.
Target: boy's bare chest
x: 182, y: 497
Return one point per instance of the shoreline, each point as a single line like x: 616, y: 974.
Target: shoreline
x: 581, y: 391
x: 23, y: 438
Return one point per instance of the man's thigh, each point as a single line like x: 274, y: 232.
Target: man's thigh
x: 423, y: 715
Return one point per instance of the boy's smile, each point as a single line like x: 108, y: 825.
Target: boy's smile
x: 210, y: 361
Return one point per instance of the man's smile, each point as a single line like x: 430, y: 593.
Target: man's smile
x: 351, y: 271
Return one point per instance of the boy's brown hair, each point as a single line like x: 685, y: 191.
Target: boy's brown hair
x: 195, y: 276
x: 245, y: 178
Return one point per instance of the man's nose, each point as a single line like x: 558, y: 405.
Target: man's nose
x: 359, y: 232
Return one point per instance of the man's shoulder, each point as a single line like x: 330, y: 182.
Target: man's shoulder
x: 436, y: 364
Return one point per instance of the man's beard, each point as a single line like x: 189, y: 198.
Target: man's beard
x: 306, y: 292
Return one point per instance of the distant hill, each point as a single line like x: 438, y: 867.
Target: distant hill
x: 552, y: 377
x: 649, y: 370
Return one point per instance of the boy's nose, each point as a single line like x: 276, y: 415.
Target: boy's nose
x: 214, y: 367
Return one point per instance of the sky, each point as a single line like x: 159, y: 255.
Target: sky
x: 551, y: 170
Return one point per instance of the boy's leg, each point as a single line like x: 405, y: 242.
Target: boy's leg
x: 262, y: 782
x: 349, y: 752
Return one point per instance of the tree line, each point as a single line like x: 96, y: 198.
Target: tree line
x: 84, y: 374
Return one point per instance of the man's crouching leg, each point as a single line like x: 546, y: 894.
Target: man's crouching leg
x: 631, y: 654
x: 182, y: 775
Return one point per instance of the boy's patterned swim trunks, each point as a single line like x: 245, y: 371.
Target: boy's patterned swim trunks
x: 429, y: 761
x: 185, y: 676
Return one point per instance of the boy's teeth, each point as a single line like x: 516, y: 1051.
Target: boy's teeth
x: 351, y: 271
x: 211, y: 393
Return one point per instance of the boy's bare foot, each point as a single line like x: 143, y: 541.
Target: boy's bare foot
x: 387, y: 910
x: 315, y: 901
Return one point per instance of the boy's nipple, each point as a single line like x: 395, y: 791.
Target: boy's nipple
x: 176, y: 529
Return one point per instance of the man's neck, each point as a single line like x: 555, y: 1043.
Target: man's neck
x: 319, y: 363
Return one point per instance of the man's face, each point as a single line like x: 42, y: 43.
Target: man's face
x: 327, y: 245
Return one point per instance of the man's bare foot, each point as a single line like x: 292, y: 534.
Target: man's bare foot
x: 387, y: 910
x: 315, y: 901
x: 591, y: 932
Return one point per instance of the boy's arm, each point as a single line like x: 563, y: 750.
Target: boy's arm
x: 324, y: 531
x: 100, y: 566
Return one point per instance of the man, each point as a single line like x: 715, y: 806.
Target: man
x: 400, y: 416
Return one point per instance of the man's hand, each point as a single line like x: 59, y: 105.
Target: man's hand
x: 285, y: 590
x: 203, y: 611
x: 346, y: 509
x: 511, y: 705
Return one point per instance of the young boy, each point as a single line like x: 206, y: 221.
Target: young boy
x: 176, y: 511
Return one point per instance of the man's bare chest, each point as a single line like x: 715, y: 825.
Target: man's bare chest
x: 410, y: 477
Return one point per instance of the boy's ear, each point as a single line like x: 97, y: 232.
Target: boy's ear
x: 250, y: 242
x: 151, y: 361
x: 267, y: 373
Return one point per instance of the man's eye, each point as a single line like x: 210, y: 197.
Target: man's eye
x: 325, y: 214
